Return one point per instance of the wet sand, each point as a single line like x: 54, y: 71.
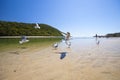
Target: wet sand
x: 83, y: 61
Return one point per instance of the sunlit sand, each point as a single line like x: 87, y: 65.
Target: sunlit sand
x: 84, y: 60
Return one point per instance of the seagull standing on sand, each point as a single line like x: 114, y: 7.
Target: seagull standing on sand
x: 55, y: 45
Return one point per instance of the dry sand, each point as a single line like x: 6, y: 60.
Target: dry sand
x: 93, y: 63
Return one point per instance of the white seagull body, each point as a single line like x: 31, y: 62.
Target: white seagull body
x: 55, y: 45
x: 24, y: 40
x: 37, y: 26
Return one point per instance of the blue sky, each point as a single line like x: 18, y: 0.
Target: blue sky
x: 79, y: 17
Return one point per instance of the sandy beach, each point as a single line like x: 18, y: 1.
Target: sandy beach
x: 84, y: 60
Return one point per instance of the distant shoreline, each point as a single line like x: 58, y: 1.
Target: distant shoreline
x: 31, y: 36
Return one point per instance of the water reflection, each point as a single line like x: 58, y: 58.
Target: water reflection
x: 97, y: 40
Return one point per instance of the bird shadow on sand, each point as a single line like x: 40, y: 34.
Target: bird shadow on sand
x: 62, y: 54
x: 15, y: 52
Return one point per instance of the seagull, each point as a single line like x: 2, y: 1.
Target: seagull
x: 24, y: 40
x: 37, y: 26
x: 55, y: 45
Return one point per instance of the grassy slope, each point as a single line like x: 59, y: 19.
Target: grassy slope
x: 18, y: 29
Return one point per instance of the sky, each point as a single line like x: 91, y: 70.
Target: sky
x: 82, y: 18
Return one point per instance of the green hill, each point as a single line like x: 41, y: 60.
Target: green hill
x: 18, y: 29
x: 113, y: 34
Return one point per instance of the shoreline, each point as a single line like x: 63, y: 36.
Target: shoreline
x: 31, y: 36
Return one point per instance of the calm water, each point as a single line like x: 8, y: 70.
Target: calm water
x: 105, y: 45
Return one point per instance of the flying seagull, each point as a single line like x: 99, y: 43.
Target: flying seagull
x: 37, y: 26
x: 23, y: 40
